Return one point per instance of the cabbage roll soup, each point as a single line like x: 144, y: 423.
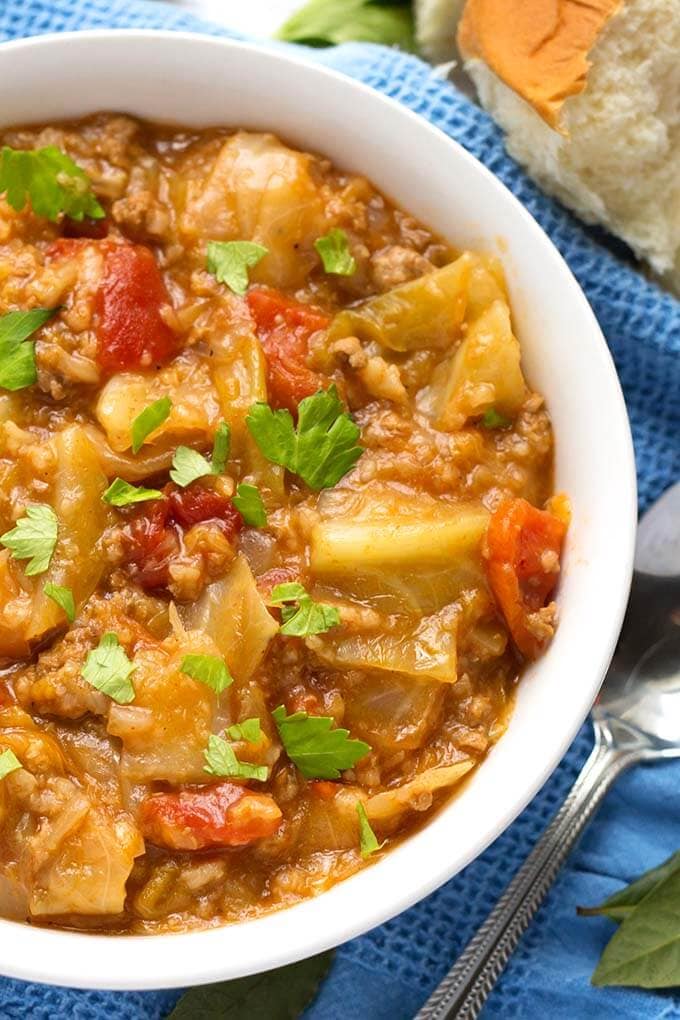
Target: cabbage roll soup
x: 277, y: 528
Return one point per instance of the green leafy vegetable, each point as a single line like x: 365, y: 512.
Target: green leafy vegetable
x: 248, y: 502
x: 622, y: 903
x: 222, y: 761
x: 335, y: 254
x: 229, y: 262
x: 50, y: 181
x: 108, y: 668
x: 328, y: 22
x: 249, y: 730
x: 321, y: 450
x: 305, y: 618
x: 318, y: 751
x: 276, y: 995
x: 491, y: 419
x: 63, y: 597
x: 645, y: 951
x: 17, y: 352
x: 368, y: 841
x: 33, y: 538
x: 151, y: 418
x: 121, y: 493
x: 221, y: 445
x: 8, y: 763
x: 188, y: 465
x: 209, y: 670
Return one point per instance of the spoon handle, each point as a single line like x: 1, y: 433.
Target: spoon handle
x: 465, y: 989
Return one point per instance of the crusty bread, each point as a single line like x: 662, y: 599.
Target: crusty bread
x: 589, y: 98
x: 436, y: 24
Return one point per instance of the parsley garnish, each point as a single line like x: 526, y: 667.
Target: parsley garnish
x: 17, y: 353
x: 305, y: 618
x: 221, y: 444
x: 188, y: 464
x: 249, y: 730
x: 121, y: 493
x: 321, y: 450
x: 50, y: 180
x: 33, y: 538
x: 8, y: 763
x: 248, y: 502
x: 318, y: 751
x: 209, y: 670
x: 335, y: 254
x: 222, y: 761
x: 108, y: 668
x: 151, y: 418
x: 368, y: 841
x: 229, y: 262
x: 63, y: 597
x: 491, y: 419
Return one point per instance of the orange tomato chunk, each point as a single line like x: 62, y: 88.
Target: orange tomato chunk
x: 225, y: 814
x: 522, y: 565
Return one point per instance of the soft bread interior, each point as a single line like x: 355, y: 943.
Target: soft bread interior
x: 436, y: 24
x: 617, y: 161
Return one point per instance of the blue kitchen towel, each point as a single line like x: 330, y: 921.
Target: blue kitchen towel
x: 387, y: 974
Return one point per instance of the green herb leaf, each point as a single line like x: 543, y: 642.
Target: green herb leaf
x: 63, y: 597
x: 209, y: 670
x: 276, y: 995
x: 307, y: 617
x: 491, y: 419
x: 249, y: 730
x: 222, y: 761
x: 220, y: 454
x: 248, y: 502
x: 188, y: 465
x: 8, y: 763
x: 368, y: 841
x: 335, y: 254
x: 151, y: 418
x: 318, y: 751
x: 322, y: 449
x: 121, y: 493
x: 645, y: 950
x: 327, y: 22
x: 50, y: 181
x: 108, y: 668
x: 623, y: 902
x: 33, y: 538
x: 229, y: 262
x: 17, y: 353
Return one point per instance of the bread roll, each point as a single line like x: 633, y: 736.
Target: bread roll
x: 436, y: 24
x: 589, y: 97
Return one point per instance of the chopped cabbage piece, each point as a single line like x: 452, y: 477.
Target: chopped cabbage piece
x: 385, y: 806
x: 484, y: 372
x: 232, y: 612
x: 426, y: 312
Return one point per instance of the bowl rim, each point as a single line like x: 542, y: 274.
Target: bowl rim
x: 166, y: 960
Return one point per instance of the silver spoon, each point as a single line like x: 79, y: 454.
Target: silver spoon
x: 636, y: 719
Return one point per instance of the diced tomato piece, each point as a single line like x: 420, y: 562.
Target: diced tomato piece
x: 522, y: 564
x: 150, y: 542
x: 153, y: 538
x: 196, y: 504
x: 131, y: 332
x: 277, y: 575
x: 66, y: 247
x: 284, y: 328
x: 225, y: 814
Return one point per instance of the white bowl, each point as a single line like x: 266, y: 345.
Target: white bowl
x: 199, y: 80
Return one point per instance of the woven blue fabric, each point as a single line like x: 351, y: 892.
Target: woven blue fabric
x: 387, y: 974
